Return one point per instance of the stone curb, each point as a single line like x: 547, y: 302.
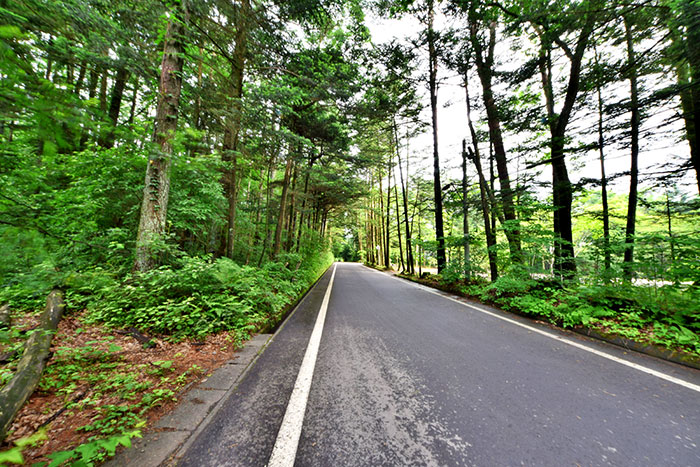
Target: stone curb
x: 165, y: 443
x: 176, y: 429
x: 653, y: 350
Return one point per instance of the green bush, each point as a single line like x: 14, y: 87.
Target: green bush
x: 507, y: 286
x: 198, y: 295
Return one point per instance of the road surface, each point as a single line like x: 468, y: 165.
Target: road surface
x: 405, y: 376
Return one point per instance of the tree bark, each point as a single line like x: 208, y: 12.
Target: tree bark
x: 562, y: 191
x: 686, y: 58
x: 292, y: 211
x: 32, y: 364
x: 107, y: 139
x: 632, y: 71
x: 283, y: 206
x: 5, y: 318
x: 691, y: 20
x: 437, y: 186
x: 485, y: 68
x: 134, y: 99
x: 387, y: 257
x: 409, y: 246
x: 229, y: 154
x: 483, y: 188
x: 465, y: 213
x: 604, y: 186
x: 81, y: 77
x: 103, y: 91
x: 398, y: 224
x: 490, y: 234
x: 268, y: 211
x: 157, y: 184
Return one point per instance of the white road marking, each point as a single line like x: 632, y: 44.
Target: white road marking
x: 285, y: 450
x: 658, y: 374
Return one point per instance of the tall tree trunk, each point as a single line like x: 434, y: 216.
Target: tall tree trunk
x: 437, y: 186
x: 134, y: 100
x: 632, y: 71
x: 255, y: 236
x: 81, y: 78
x: 283, y: 204
x: 562, y: 191
x: 409, y: 246
x: 485, y: 68
x: 398, y: 224
x: 305, y: 196
x: 268, y: 211
x: 604, y: 185
x: 291, y: 227
x: 691, y: 20
x: 483, y: 188
x: 382, y: 238
x: 688, y: 92
x: 686, y: 98
x: 233, y: 124
x: 491, y: 188
x: 465, y: 213
x: 387, y: 258
x: 115, y: 104
x: 103, y: 91
x: 157, y: 184
x: 490, y: 234
x: 671, y: 240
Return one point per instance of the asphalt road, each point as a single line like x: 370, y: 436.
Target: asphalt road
x: 407, y: 377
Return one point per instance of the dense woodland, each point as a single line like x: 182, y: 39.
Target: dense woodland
x: 191, y: 166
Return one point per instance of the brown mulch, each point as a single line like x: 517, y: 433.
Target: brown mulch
x: 49, y: 404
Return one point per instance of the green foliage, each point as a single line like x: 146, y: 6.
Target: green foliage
x: 200, y: 296
x: 506, y: 286
x: 92, y: 452
x: 14, y: 454
x: 667, y: 318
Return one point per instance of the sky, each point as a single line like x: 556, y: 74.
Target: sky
x: 452, y: 126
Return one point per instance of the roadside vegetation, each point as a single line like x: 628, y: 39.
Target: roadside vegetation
x: 181, y: 172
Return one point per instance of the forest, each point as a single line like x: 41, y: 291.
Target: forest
x: 185, y: 168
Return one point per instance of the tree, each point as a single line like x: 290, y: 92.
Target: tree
x: 482, y: 40
x: 683, y: 23
x: 157, y: 184
x: 554, y: 26
x: 424, y: 11
x: 635, y: 120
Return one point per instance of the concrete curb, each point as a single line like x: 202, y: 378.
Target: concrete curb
x: 653, y: 350
x: 175, y: 430
x: 167, y: 441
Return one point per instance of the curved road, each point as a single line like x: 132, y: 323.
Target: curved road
x: 406, y: 376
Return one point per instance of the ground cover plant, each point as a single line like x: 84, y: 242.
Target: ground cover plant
x: 103, y: 385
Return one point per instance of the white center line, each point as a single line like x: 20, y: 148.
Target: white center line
x: 285, y: 450
x: 622, y: 361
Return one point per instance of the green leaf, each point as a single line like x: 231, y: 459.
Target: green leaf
x: 58, y: 458
x: 12, y: 456
x: 10, y: 32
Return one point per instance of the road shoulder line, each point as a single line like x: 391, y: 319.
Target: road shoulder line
x: 658, y: 374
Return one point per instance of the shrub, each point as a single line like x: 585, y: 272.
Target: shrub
x: 198, y: 295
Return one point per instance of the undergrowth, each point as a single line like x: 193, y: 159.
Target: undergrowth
x: 191, y: 297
